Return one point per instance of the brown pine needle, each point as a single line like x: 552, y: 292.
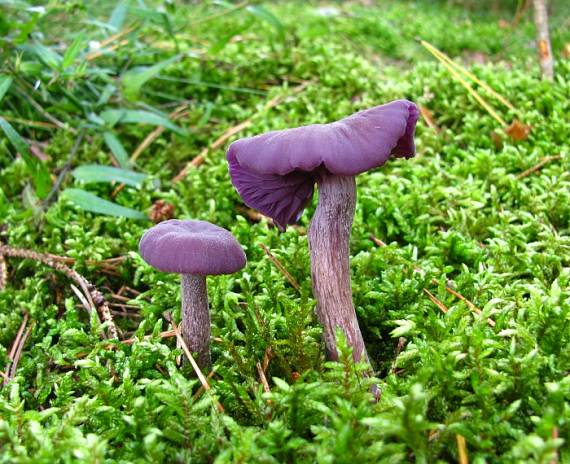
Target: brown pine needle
x: 195, y: 366
x: 539, y: 166
x: 281, y: 268
x: 116, y: 36
x: 438, y: 303
x: 462, y: 449
x: 470, y: 75
x: 229, y: 133
x: 470, y: 305
x: 464, y: 83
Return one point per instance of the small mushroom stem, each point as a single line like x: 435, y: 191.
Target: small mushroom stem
x: 329, y: 236
x: 196, y: 317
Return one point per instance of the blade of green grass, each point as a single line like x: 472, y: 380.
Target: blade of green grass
x: 115, y: 116
x: 40, y: 174
x: 133, y: 80
x: 116, y: 147
x: 5, y: 83
x: 90, y: 202
x: 95, y: 173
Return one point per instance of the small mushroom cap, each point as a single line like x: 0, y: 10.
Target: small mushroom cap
x: 191, y: 247
x: 275, y: 172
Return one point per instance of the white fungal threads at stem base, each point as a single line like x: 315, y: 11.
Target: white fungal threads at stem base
x: 196, y: 317
x: 329, y: 236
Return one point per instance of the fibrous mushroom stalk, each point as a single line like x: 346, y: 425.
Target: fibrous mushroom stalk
x: 196, y: 317
x: 329, y: 236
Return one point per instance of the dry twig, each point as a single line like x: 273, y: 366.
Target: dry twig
x: 94, y: 297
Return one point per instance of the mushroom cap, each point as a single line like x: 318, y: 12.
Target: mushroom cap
x: 191, y: 247
x: 275, y: 172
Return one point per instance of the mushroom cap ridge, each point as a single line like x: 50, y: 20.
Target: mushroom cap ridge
x: 191, y: 247
x: 275, y: 172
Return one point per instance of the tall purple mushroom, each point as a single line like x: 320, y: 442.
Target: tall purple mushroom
x: 193, y: 249
x: 275, y: 173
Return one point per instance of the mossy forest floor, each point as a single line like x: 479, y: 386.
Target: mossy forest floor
x: 460, y: 257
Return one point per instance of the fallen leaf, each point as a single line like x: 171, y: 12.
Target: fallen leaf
x: 518, y: 131
x: 566, y: 51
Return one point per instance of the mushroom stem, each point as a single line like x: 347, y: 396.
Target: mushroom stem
x: 329, y: 236
x: 196, y: 317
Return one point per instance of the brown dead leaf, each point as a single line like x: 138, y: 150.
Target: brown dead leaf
x: 518, y: 131
x: 566, y: 51
x: 161, y: 211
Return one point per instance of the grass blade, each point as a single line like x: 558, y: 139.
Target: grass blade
x: 5, y: 83
x: 113, y: 117
x: 94, y: 173
x: 134, y: 79
x: 73, y: 51
x: 116, y: 147
x: 88, y: 201
x: 40, y: 174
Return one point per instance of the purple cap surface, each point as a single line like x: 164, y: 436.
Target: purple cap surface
x: 191, y: 247
x: 275, y: 172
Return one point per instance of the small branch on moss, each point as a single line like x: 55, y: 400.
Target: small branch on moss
x: 94, y: 296
x: 281, y: 268
x: 543, y: 162
x: 16, y: 350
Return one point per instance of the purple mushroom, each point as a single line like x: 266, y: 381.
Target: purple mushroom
x: 276, y: 172
x: 193, y: 249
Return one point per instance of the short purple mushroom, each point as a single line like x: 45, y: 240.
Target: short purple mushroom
x: 276, y: 172
x: 193, y: 249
